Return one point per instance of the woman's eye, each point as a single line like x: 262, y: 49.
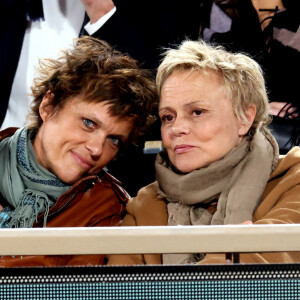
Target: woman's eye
x: 115, y: 140
x: 197, y: 112
x: 167, y: 118
x: 88, y: 123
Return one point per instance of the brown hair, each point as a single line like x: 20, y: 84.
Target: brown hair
x: 94, y: 69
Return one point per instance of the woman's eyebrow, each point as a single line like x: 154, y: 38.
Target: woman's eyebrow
x: 194, y: 102
x: 93, y: 117
x: 165, y: 108
x: 199, y: 102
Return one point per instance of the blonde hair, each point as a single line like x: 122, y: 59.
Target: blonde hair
x: 242, y: 75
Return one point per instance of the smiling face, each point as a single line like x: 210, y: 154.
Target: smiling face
x: 198, y: 122
x: 80, y: 139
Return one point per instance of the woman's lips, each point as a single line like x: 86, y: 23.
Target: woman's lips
x: 182, y: 148
x: 84, y: 163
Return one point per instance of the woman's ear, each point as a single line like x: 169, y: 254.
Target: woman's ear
x: 250, y: 114
x: 46, y: 108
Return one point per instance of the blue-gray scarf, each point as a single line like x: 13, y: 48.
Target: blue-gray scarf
x: 29, y: 188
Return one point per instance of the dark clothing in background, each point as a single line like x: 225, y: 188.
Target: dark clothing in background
x: 244, y: 33
x: 12, y: 29
x: 282, y: 37
x: 283, y: 54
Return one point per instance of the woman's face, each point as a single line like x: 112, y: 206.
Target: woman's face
x: 198, y: 122
x: 80, y: 139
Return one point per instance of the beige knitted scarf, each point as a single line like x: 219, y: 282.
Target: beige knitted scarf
x: 237, y: 182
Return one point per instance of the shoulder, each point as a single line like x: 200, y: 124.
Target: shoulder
x: 110, y: 181
x: 287, y: 173
x: 145, y: 196
x: 7, y: 132
x: 281, y: 198
x: 288, y: 164
x: 147, y: 201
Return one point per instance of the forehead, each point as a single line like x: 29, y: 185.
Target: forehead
x: 79, y: 104
x: 198, y: 85
x: 194, y: 77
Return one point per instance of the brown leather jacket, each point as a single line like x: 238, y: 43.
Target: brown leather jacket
x: 96, y: 200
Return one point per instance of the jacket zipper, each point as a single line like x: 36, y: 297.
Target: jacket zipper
x: 66, y: 203
x: 62, y: 207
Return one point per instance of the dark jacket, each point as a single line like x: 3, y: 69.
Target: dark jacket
x: 12, y: 30
x: 96, y: 200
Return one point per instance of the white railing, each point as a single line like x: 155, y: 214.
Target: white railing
x: 150, y: 239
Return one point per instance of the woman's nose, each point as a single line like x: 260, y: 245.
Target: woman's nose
x: 95, y: 145
x: 180, y: 126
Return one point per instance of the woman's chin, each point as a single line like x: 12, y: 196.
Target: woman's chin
x: 189, y: 166
x: 69, y: 179
x: 184, y: 168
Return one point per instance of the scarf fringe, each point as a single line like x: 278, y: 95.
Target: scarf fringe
x: 26, y: 213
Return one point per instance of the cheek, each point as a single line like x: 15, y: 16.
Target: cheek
x: 226, y: 124
x: 107, y: 155
x: 165, y: 135
x: 232, y: 128
x: 228, y: 137
x: 51, y: 142
x: 217, y: 136
x: 205, y: 132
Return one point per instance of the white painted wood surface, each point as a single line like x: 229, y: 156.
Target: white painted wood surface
x: 151, y: 239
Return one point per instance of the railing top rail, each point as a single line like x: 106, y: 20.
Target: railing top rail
x: 150, y: 239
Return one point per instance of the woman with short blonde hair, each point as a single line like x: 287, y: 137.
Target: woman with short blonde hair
x: 220, y: 164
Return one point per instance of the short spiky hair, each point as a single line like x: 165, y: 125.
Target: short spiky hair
x: 94, y: 69
x: 242, y: 75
